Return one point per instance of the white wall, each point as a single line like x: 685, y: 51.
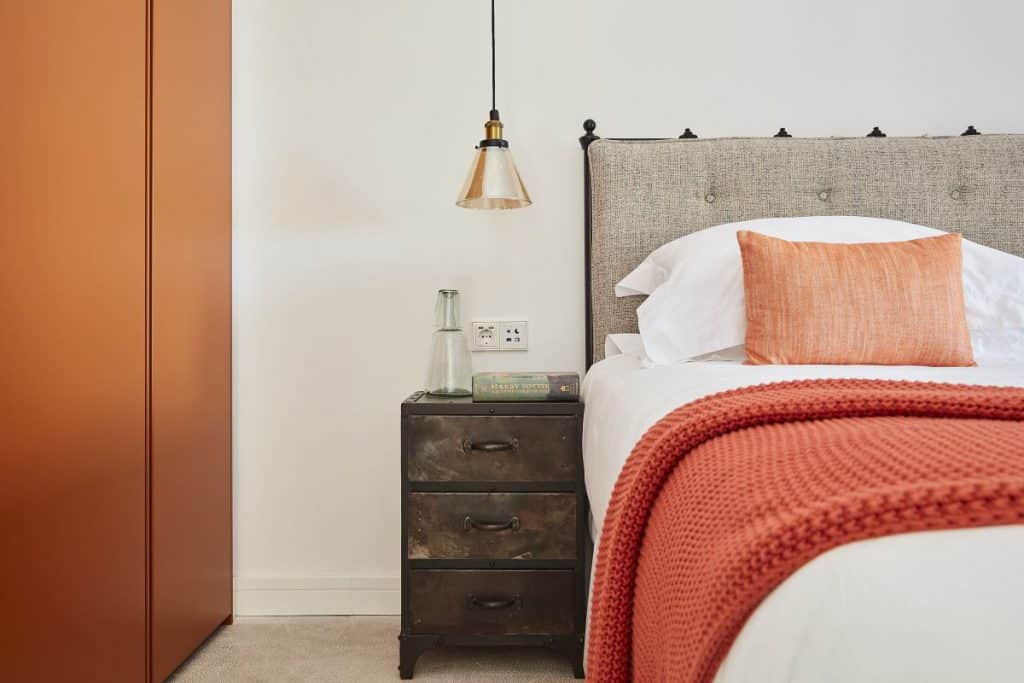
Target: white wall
x: 354, y: 124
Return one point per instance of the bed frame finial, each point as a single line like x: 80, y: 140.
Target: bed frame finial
x: 688, y: 135
x: 971, y: 130
x: 589, y: 125
x: 783, y: 133
x: 876, y: 132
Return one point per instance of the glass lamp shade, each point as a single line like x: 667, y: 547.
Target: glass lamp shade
x: 493, y: 181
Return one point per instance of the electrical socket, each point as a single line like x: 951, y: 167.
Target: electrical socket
x: 499, y: 335
x: 485, y: 336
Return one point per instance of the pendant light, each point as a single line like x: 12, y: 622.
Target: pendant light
x: 493, y: 181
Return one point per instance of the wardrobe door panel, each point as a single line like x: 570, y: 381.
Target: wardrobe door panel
x: 73, y: 340
x: 191, y: 458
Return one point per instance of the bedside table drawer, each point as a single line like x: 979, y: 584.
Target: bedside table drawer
x: 493, y: 526
x: 491, y: 601
x: 492, y: 448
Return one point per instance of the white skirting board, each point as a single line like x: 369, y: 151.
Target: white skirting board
x: 329, y: 595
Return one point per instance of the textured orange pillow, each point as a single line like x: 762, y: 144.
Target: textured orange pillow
x: 875, y: 303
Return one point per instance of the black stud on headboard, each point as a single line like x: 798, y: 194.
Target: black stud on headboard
x: 876, y: 132
x: 971, y: 130
x: 783, y: 133
x: 589, y: 125
x: 687, y: 135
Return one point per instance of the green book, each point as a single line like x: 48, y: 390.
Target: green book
x: 526, y: 386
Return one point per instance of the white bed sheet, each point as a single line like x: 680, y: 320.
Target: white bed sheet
x: 935, y: 606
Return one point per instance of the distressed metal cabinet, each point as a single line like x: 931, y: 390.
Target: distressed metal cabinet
x: 494, y: 516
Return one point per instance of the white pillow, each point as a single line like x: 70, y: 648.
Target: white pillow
x: 623, y: 344
x: 631, y: 344
x: 692, y: 250
x: 696, y: 303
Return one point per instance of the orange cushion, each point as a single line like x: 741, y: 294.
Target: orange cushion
x: 875, y: 303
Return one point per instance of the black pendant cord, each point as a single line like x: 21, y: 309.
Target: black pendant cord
x: 494, y: 80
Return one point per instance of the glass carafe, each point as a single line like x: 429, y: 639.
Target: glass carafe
x: 451, y: 367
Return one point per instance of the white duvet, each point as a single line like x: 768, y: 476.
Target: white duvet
x: 943, y: 606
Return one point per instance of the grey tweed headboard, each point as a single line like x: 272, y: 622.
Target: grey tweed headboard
x: 643, y: 193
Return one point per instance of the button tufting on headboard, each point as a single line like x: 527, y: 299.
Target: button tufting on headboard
x: 900, y: 178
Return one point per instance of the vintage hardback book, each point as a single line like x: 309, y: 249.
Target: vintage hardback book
x: 526, y: 386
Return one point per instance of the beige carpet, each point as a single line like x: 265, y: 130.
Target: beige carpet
x: 358, y: 649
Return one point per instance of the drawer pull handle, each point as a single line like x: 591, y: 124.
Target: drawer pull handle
x: 493, y: 603
x: 470, y: 523
x: 491, y: 446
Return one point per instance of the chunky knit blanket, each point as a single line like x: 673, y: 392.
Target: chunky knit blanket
x: 727, y: 496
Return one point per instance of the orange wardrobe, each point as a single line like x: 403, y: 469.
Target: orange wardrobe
x: 115, y: 335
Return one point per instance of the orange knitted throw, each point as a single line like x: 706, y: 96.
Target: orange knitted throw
x: 726, y: 497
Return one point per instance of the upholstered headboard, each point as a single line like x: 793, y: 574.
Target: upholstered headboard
x: 643, y: 193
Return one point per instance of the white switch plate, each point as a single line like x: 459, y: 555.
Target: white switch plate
x: 499, y: 335
x: 512, y: 335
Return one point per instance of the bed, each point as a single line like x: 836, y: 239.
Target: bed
x: 933, y: 605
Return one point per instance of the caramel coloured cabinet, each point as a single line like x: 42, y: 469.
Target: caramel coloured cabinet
x: 115, y: 335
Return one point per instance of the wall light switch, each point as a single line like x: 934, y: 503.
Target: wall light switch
x: 512, y: 335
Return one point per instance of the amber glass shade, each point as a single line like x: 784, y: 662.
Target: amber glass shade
x: 493, y: 182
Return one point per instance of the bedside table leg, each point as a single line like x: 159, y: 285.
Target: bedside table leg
x: 577, y: 667
x: 409, y: 650
x: 572, y: 648
x: 577, y: 658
